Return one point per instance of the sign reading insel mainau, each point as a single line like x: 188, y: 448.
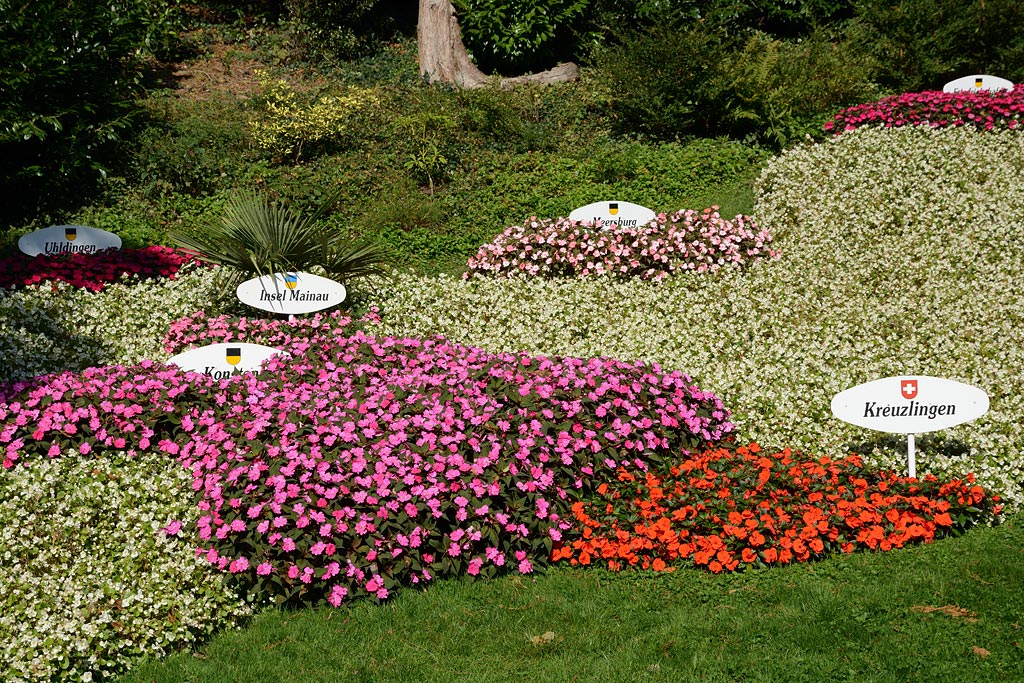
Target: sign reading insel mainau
x: 68, y: 239
x: 291, y: 293
x: 910, y: 405
x: 611, y: 214
x: 976, y: 83
x: 225, y: 359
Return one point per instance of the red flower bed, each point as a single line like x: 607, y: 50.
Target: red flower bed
x: 728, y: 508
x: 91, y: 271
x: 985, y: 110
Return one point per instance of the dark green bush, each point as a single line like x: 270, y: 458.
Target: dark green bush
x: 704, y: 82
x: 347, y: 28
x: 69, y: 73
x: 513, y: 36
x: 662, y: 81
x: 190, y: 147
x: 922, y: 44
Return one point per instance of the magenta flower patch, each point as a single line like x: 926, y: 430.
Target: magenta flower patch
x: 91, y: 271
x: 985, y: 110
x: 365, y: 464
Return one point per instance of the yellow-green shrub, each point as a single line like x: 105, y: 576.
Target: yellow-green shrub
x: 291, y: 122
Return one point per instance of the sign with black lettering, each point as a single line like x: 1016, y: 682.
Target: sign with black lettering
x: 977, y: 83
x: 910, y: 405
x: 225, y: 359
x: 291, y: 293
x: 611, y: 215
x: 68, y: 239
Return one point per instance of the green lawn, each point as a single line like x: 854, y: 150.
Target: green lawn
x: 949, y: 611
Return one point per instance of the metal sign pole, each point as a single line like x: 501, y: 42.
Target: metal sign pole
x: 911, y: 462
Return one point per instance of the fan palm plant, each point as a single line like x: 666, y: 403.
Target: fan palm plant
x: 256, y: 236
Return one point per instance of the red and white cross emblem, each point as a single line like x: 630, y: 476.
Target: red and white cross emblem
x: 908, y: 387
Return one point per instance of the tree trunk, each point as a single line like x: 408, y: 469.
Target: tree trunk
x: 443, y: 55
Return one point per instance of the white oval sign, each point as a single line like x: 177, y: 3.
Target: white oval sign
x: 68, y: 239
x: 225, y: 359
x: 976, y: 83
x: 291, y: 293
x: 613, y: 214
x: 910, y: 405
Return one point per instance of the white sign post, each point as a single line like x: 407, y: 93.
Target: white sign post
x: 291, y: 293
x: 910, y: 405
x: 613, y: 214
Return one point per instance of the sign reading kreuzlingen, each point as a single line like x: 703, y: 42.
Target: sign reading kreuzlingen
x: 225, y: 359
x: 910, y: 405
x: 291, y: 293
x: 68, y: 239
x: 613, y: 214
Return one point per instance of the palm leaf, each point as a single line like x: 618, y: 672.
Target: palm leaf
x: 259, y: 237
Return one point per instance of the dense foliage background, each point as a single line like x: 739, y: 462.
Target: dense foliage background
x: 82, y: 98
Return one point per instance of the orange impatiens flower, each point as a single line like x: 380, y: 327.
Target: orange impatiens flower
x: 726, y: 508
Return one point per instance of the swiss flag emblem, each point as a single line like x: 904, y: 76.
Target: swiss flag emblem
x: 908, y: 387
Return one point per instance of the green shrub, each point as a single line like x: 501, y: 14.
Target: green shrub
x: 662, y: 81
x: 191, y: 147
x: 290, y: 123
x: 506, y: 189
x: 346, y: 28
x: 703, y: 82
x: 922, y: 44
x: 512, y: 36
x: 69, y: 73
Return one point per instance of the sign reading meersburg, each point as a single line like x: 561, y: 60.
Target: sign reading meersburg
x: 977, y: 83
x: 68, y: 239
x: 910, y: 405
x: 613, y: 214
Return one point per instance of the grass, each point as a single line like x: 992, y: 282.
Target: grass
x: 949, y: 611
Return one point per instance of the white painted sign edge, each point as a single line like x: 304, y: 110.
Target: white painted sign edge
x: 97, y: 237
x: 214, y: 356
x: 883, y: 395
x: 269, y: 293
x: 969, y: 84
x: 600, y: 211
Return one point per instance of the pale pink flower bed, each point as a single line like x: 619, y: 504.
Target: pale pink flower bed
x: 685, y: 241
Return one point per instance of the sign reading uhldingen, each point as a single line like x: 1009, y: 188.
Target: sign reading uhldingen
x: 909, y: 405
x: 68, y: 239
x: 613, y: 214
x: 225, y: 359
x: 977, y: 83
x: 291, y: 293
